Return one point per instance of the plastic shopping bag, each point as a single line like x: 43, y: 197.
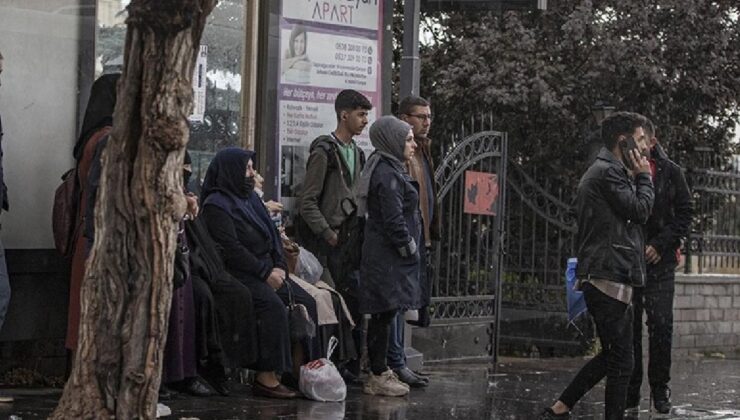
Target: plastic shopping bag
x: 576, y: 300
x: 320, y: 380
x: 308, y: 267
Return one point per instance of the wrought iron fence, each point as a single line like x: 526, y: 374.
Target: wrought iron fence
x: 466, y: 266
x: 714, y: 242
x: 536, y: 241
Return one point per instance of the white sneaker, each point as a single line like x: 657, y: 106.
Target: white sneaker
x: 163, y: 410
x: 387, y: 383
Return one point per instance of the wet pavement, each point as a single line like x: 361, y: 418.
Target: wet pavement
x: 514, y: 389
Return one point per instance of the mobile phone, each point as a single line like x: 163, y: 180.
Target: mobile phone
x: 627, y: 146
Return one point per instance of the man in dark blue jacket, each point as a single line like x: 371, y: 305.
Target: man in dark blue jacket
x: 615, y: 198
x: 668, y: 223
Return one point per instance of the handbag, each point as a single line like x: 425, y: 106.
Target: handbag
x: 291, y: 251
x: 300, y: 324
x: 64, y: 213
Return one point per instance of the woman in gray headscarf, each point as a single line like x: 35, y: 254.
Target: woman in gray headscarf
x: 390, y: 259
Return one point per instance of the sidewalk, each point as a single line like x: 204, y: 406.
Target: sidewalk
x: 515, y: 389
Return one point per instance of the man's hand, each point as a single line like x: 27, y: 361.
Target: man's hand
x: 651, y: 255
x: 639, y: 162
x: 333, y: 240
x: 276, y: 279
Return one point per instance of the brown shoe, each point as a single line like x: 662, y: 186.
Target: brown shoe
x: 279, y: 391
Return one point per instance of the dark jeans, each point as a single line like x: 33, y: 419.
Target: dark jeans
x: 396, y: 354
x: 377, y: 340
x: 656, y: 298
x: 613, y: 321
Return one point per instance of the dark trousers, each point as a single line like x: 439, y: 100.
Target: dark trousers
x: 378, y: 330
x: 273, y: 334
x: 396, y: 353
x: 346, y: 281
x: 656, y: 298
x: 613, y: 321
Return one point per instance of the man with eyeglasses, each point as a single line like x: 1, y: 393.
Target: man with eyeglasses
x: 417, y: 112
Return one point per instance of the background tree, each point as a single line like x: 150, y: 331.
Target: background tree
x: 539, y: 73
x: 127, y: 289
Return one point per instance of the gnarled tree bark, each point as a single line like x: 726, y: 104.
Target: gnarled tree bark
x: 127, y: 288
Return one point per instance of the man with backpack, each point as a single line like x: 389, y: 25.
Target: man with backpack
x: 329, y: 225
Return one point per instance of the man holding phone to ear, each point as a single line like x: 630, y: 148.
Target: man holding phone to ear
x: 615, y: 198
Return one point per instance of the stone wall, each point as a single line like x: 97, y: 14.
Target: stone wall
x: 706, y: 314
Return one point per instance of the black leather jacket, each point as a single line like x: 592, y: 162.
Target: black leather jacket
x: 611, y: 211
x: 671, y: 215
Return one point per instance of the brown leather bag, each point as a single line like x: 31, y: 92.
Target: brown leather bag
x: 291, y: 251
x: 64, y: 213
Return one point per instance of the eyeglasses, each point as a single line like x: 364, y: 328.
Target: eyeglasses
x: 422, y: 117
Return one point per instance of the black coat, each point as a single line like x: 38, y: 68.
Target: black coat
x: 671, y: 215
x: 3, y: 189
x: 611, y: 209
x: 247, y: 253
x: 234, y: 329
x: 389, y: 272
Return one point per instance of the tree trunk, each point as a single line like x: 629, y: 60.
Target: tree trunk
x: 126, y: 293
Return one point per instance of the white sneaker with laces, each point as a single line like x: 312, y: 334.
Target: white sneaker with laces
x: 395, y: 375
x: 387, y: 383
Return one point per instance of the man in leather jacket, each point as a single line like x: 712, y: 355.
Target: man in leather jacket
x: 615, y: 198
x: 668, y: 223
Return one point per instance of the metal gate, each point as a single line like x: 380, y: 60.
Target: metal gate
x: 466, y: 265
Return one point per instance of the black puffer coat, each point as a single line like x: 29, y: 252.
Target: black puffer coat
x: 671, y: 216
x: 389, y: 273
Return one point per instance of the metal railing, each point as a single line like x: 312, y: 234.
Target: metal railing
x: 713, y: 245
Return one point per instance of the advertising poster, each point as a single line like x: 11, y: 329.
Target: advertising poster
x: 326, y: 46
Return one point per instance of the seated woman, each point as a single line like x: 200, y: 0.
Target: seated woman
x: 251, y: 249
x: 225, y: 325
x: 390, y: 256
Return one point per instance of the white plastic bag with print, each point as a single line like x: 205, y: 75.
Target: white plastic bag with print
x: 320, y: 379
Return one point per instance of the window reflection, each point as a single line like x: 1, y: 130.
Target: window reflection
x: 224, y: 36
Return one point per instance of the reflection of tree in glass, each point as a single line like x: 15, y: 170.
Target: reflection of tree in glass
x: 224, y: 36
x: 109, y: 44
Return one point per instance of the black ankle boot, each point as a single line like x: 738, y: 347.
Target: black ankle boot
x: 548, y: 414
x: 662, y: 399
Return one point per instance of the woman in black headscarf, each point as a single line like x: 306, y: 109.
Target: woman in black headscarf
x: 389, y: 271
x: 251, y: 249
x: 96, y: 125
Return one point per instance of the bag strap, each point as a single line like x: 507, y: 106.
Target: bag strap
x: 333, y: 343
x: 291, y: 301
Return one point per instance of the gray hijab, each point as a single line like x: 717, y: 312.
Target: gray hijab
x: 388, y: 137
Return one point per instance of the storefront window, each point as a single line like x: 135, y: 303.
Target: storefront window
x: 223, y: 39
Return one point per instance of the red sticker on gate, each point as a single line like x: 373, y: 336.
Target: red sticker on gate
x: 481, y: 193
